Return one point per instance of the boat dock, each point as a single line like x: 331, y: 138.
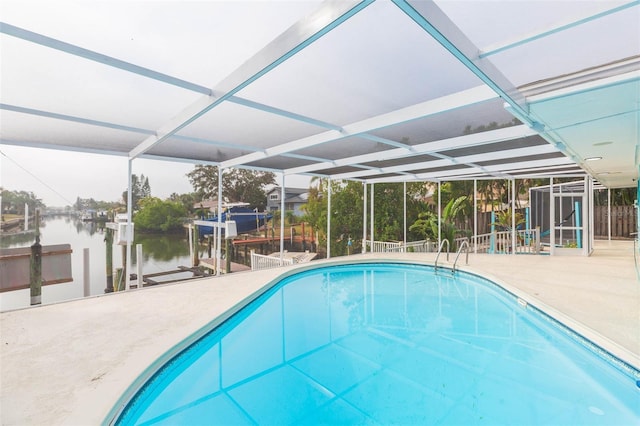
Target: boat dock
x: 235, y: 267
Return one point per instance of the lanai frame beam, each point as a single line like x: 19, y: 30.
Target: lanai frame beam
x: 327, y: 17
x: 437, y: 24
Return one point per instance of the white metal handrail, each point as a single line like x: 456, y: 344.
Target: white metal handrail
x: 440, y: 251
x: 464, y: 244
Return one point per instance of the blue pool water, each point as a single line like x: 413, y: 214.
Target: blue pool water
x: 389, y: 344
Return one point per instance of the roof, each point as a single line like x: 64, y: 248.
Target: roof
x: 292, y: 195
x: 289, y: 191
x: 366, y: 90
x: 299, y: 199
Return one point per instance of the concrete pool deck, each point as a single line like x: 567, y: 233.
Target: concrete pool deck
x: 69, y: 363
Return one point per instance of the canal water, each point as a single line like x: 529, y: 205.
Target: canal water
x: 160, y: 253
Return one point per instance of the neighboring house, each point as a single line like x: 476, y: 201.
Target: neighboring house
x: 294, y: 198
x: 206, y: 206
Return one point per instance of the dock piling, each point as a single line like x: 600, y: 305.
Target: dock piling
x: 108, y: 238
x: 36, y: 266
x: 86, y: 280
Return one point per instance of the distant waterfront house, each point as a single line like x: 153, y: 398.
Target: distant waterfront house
x: 294, y: 198
x: 206, y: 206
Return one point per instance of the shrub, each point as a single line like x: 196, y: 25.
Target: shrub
x: 156, y: 215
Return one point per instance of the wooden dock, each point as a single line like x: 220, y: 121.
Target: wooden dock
x: 235, y: 267
x: 272, y: 240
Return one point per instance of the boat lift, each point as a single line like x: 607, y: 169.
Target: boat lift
x: 230, y: 231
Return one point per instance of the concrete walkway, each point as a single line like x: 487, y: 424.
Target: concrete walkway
x: 70, y: 363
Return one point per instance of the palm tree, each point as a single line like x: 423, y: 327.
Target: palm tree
x: 427, y: 223
x: 503, y: 220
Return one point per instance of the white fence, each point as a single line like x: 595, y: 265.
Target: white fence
x: 421, y: 246
x: 382, y: 246
x: 527, y: 241
x: 260, y: 262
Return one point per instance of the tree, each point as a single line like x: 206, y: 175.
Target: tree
x: 156, y: 215
x: 503, y: 220
x: 140, y: 188
x: 315, y: 209
x: 187, y: 200
x: 204, y: 180
x: 346, y: 217
x: 347, y: 211
x: 14, y: 201
x: 90, y: 203
x: 423, y: 226
x: 619, y: 197
x: 238, y: 185
x: 427, y: 223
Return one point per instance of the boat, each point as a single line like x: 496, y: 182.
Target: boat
x: 246, y: 219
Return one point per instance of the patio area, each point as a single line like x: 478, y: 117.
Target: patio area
x: 69, y: 363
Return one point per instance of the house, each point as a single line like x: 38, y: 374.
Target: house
x: 294, y: 198
x: 206, y: 206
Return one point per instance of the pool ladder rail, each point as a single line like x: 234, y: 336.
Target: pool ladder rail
x: 442, y: 244
x: 463, y: 245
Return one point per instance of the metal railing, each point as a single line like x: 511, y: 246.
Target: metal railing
x: 464, y: 244
x: 440, y: 251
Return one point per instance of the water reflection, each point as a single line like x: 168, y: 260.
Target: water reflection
x: 89, y: 228
x: 163, y: 247
x: 20, y: 239
x: 161, y: 253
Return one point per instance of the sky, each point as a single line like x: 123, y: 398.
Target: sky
x: 59, y: 177
x: 202, y: 42
x: 122, y: 29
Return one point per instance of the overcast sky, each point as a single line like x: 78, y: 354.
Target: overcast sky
x: 58, y: 178
x: 122, y: 29
x: 202, y: 42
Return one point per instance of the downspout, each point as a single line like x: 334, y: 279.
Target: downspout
x: 475, y: 215
x: 514, y: 241
x: 609, y: 213
x: 218, y: 236
x: 404, y: 198
x: 364, y: 219
x: 439, y: 216
x: 552, y: 219
x: 329, y: 219
x: 129, y: 227
x: 282, y: 193
x: 371, y: 217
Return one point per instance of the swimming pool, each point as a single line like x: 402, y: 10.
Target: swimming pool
x: 389, y: 343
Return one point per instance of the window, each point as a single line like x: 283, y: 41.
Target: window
x: 273, y: 196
